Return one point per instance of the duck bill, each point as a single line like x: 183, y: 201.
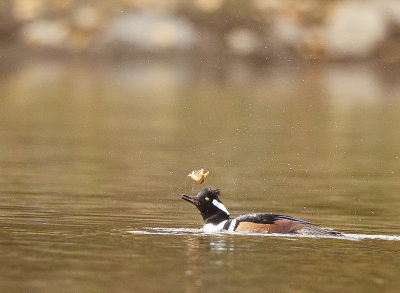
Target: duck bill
x: 191, y: 199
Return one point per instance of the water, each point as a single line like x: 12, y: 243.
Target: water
x: 185, y: 231
x: 94, y: 156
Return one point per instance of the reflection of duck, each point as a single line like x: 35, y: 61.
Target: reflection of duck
x: 210, y: 244
x: 216, y: 218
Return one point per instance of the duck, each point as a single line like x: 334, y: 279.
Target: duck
x: 217, y: 218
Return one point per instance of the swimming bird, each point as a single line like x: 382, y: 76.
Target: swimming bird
x: 217, y: 218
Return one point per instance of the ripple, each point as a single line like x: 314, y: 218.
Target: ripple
x: 188, y: 231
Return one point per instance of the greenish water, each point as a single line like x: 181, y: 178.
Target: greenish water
x: 94, y: 156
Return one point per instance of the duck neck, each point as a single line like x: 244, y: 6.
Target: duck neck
x: 216, y: 218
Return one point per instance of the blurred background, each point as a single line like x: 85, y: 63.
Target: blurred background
x: 270, y: 30
x: 106, y: 106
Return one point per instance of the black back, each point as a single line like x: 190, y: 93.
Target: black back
x: 267, y: 218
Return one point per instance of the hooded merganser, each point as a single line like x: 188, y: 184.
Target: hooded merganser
x: 216, y: 218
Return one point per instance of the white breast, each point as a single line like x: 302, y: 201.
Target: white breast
x: 214, y: 228
x: 232, y: 226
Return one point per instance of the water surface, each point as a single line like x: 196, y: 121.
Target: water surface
x: 94, y: 156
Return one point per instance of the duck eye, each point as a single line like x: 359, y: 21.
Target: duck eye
x: 207, y: 198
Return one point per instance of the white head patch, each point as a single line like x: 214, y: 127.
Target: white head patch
x: 220, y: 205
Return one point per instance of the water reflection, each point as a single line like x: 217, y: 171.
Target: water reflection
x: 216, y: 245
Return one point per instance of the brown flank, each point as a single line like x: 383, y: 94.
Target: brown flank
x: 279, y: 226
